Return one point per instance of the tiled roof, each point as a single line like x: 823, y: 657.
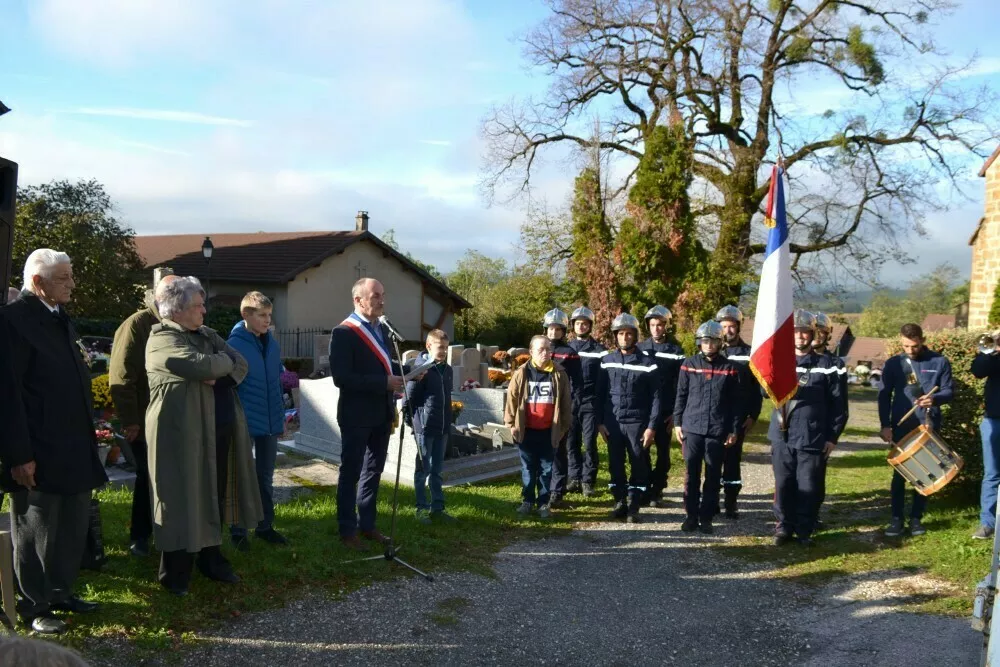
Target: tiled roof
x: 865, y: 348
x: 265, y: 257
x: 937, y: 322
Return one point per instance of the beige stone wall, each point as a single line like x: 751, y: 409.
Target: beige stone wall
x: 986, y: 254
x: 321, y: 296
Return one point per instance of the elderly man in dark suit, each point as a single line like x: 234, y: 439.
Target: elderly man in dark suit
x: 362, y: 368
x: 52, y: 471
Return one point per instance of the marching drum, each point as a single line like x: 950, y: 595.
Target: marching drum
x: 925, y: 460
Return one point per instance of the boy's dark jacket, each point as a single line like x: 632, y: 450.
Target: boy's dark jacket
x: 431, y: 398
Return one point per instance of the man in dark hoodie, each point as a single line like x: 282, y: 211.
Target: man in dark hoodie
x: 430, y: 409
x: 130, y: 393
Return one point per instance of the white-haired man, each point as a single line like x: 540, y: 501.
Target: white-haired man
x: 53, y: 469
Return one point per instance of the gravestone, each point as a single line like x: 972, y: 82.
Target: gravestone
x: 410, y: 356
x: 470, y: 364
x: 319, y: 433
x: 321, y: 351
x: 455, y: 355
x: 484, y: 374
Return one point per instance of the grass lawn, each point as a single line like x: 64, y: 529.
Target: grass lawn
x: 856, y: 511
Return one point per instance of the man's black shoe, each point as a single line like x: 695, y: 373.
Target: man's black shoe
x: 175, y: 590
x: 781, y: 539
x: 633, y: 518
x: 75, y: 605
x: 732, y: 513
x: 240, y: 543
x: 706, y: 527
x: 271, y: 536
x: 588, y: 490
x: 574, y: 487
x: 225, y: 576
x: 806, y: 541
x: 139, y: 548
x: 620, y: 510
x: 556, y: 502
x: 48, y: 625
x: 820, y: 525
x: 690, y: 525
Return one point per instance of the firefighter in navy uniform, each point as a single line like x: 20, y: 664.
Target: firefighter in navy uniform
x: 803, y: 432
x: 707, y: 418
x: 668, y: 356
x: 582, y: 445
x: 628, y: 395
x: 556, y: 324
x: 824, y: 328
x: 736, y: 350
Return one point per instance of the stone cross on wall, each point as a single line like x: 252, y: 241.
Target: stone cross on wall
x: 360, y: 271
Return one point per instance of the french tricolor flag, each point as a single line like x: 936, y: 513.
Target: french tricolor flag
x: 772, y: 355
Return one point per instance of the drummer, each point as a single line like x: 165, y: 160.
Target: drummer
x: 907, y: 379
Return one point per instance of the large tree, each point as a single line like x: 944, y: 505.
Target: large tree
x: 78, y: 219
x: 862, y: 175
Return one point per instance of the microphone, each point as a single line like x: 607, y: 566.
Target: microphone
x: 384, y: 321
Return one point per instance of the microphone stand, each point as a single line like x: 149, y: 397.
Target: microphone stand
x: 391, y: 548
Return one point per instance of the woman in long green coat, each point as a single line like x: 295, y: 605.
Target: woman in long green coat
x: 184, y: 360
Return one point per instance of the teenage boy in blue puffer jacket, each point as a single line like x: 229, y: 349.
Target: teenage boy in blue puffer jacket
x: 262, y: 401
x: 430, y: 398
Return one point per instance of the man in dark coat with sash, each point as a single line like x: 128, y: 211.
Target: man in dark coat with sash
x: 363, y: 370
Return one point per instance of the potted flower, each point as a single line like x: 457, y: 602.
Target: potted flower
x: 105, y: 441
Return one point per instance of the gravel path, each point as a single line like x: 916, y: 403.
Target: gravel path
x: 609, y: 594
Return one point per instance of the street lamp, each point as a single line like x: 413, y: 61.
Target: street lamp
x: 206, y: 250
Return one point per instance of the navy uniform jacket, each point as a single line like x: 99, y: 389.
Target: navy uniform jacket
x: 364, y: 402
x: 708, y: 397
x: 590, y: 353
x: 628, y: 391
x: 668, y: 357
x: 838, y: 363
x: 988, y: 366
x: 815, y: 416
x: 750, y: 395
x: 430, y: 398
x: 568, y: 358
x: 904, y: 380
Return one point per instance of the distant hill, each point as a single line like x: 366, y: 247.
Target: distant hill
x: 829, y: 301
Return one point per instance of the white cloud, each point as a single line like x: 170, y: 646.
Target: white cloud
x: 163, y: 115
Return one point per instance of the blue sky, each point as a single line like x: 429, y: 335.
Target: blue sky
x: 206, y: 117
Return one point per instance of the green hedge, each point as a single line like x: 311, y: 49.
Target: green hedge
x: 96, y: 326
x: 960, y: 418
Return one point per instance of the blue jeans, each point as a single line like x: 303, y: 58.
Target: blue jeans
x: 434, y: 444
x: 990, y: 430
x: 265, y: 451
x: 536, y: 465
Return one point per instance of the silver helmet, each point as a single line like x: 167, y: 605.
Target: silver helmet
x: 803, y: 319
x: 582, y: 313
x: 660, y: 313
x: 625, y: 321
x: 823, y: 322
x: 555, y: 317
x: 710, y: 329
x: 729, y: 313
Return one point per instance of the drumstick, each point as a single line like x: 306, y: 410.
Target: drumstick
x: 914, y: 408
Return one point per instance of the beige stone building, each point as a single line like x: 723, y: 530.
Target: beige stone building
x: 985, y: 244
x: 308, y: 275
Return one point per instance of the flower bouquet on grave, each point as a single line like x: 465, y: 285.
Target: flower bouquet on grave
x: 498, y: 377
x: 456, y: 410
x: 470, y: 384
x: 500, y: 359
x: 105, y: 434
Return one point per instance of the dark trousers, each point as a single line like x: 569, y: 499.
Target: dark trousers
x: 49, y: 532
x: 362, y: 459
x: 176, y: 566
x: 898, y: 490
x: 265, y: 452
x: 142, y: 505
x: 732, y: 473
x: 821, y: 486
x: 796, y: 482
x: 223, y: 443
x: 659, y: 470
x: 583, y: 457
x: 537, y: 455
x: 700, y: 500
x: 560, y: 468
x: 625, y: 441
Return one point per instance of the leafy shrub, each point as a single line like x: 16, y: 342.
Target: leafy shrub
x: 96, y: 326
x: 222, y: 319
x: 960, y: 419
x: 101, y: 391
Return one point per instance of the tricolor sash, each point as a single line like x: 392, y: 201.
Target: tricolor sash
x: 369, y: 340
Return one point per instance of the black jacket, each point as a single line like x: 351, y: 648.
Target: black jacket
x: 431, y: 399
x: 988, y: 366
x: 668, y: 357
x: 750, y: 395
x: 569, y: 359
x: 56, y: 405
x: 838, y: 363
x: 815, y: 415
x: 629, y: 390
x: 365, y: 401
x: 708, y: 397
x: 591, y: 352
